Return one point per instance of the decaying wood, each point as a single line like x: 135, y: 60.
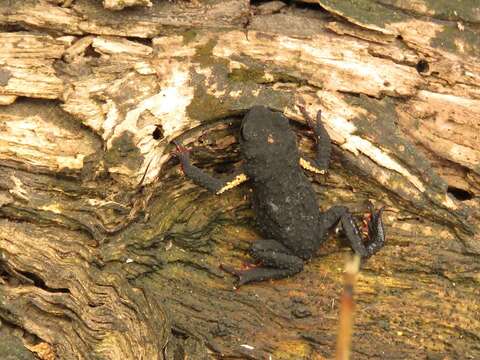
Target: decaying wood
x: 107, y: 251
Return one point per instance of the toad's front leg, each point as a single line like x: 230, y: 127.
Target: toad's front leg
x: 201, y: 178
x: 276, y: 260
x: 323, y: 144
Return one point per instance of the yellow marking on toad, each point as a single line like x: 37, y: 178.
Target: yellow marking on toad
x: 307, y: 166
x: 231, y: 184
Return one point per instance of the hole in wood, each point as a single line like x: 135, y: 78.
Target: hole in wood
x: 459, y: 194
x: 422, y: 66
x: 157, y: 134
x: 91, y: 52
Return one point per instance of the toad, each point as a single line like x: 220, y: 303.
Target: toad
x: 283, y: 199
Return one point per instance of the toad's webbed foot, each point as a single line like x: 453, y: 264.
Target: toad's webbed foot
x: 376, y: 233
x: 181, y: 152
x: 277, y: 262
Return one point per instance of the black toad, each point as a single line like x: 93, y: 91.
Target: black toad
x: 283, y: 199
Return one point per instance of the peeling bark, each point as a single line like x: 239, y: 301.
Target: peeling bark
x: 107, y: 251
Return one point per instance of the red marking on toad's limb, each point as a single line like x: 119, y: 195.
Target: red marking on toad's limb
x: 180, y: 149
x: 365, y: 221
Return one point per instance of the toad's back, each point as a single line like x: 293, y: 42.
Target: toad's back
x: 283, y: 199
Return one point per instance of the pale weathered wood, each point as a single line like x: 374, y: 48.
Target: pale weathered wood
x: 121, y: 4
x: 107, y: 251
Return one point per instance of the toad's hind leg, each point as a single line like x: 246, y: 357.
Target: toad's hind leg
x: 376, y: 234
x: 277, y: 263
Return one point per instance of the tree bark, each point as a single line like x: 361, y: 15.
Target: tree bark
x: 108, y: 252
